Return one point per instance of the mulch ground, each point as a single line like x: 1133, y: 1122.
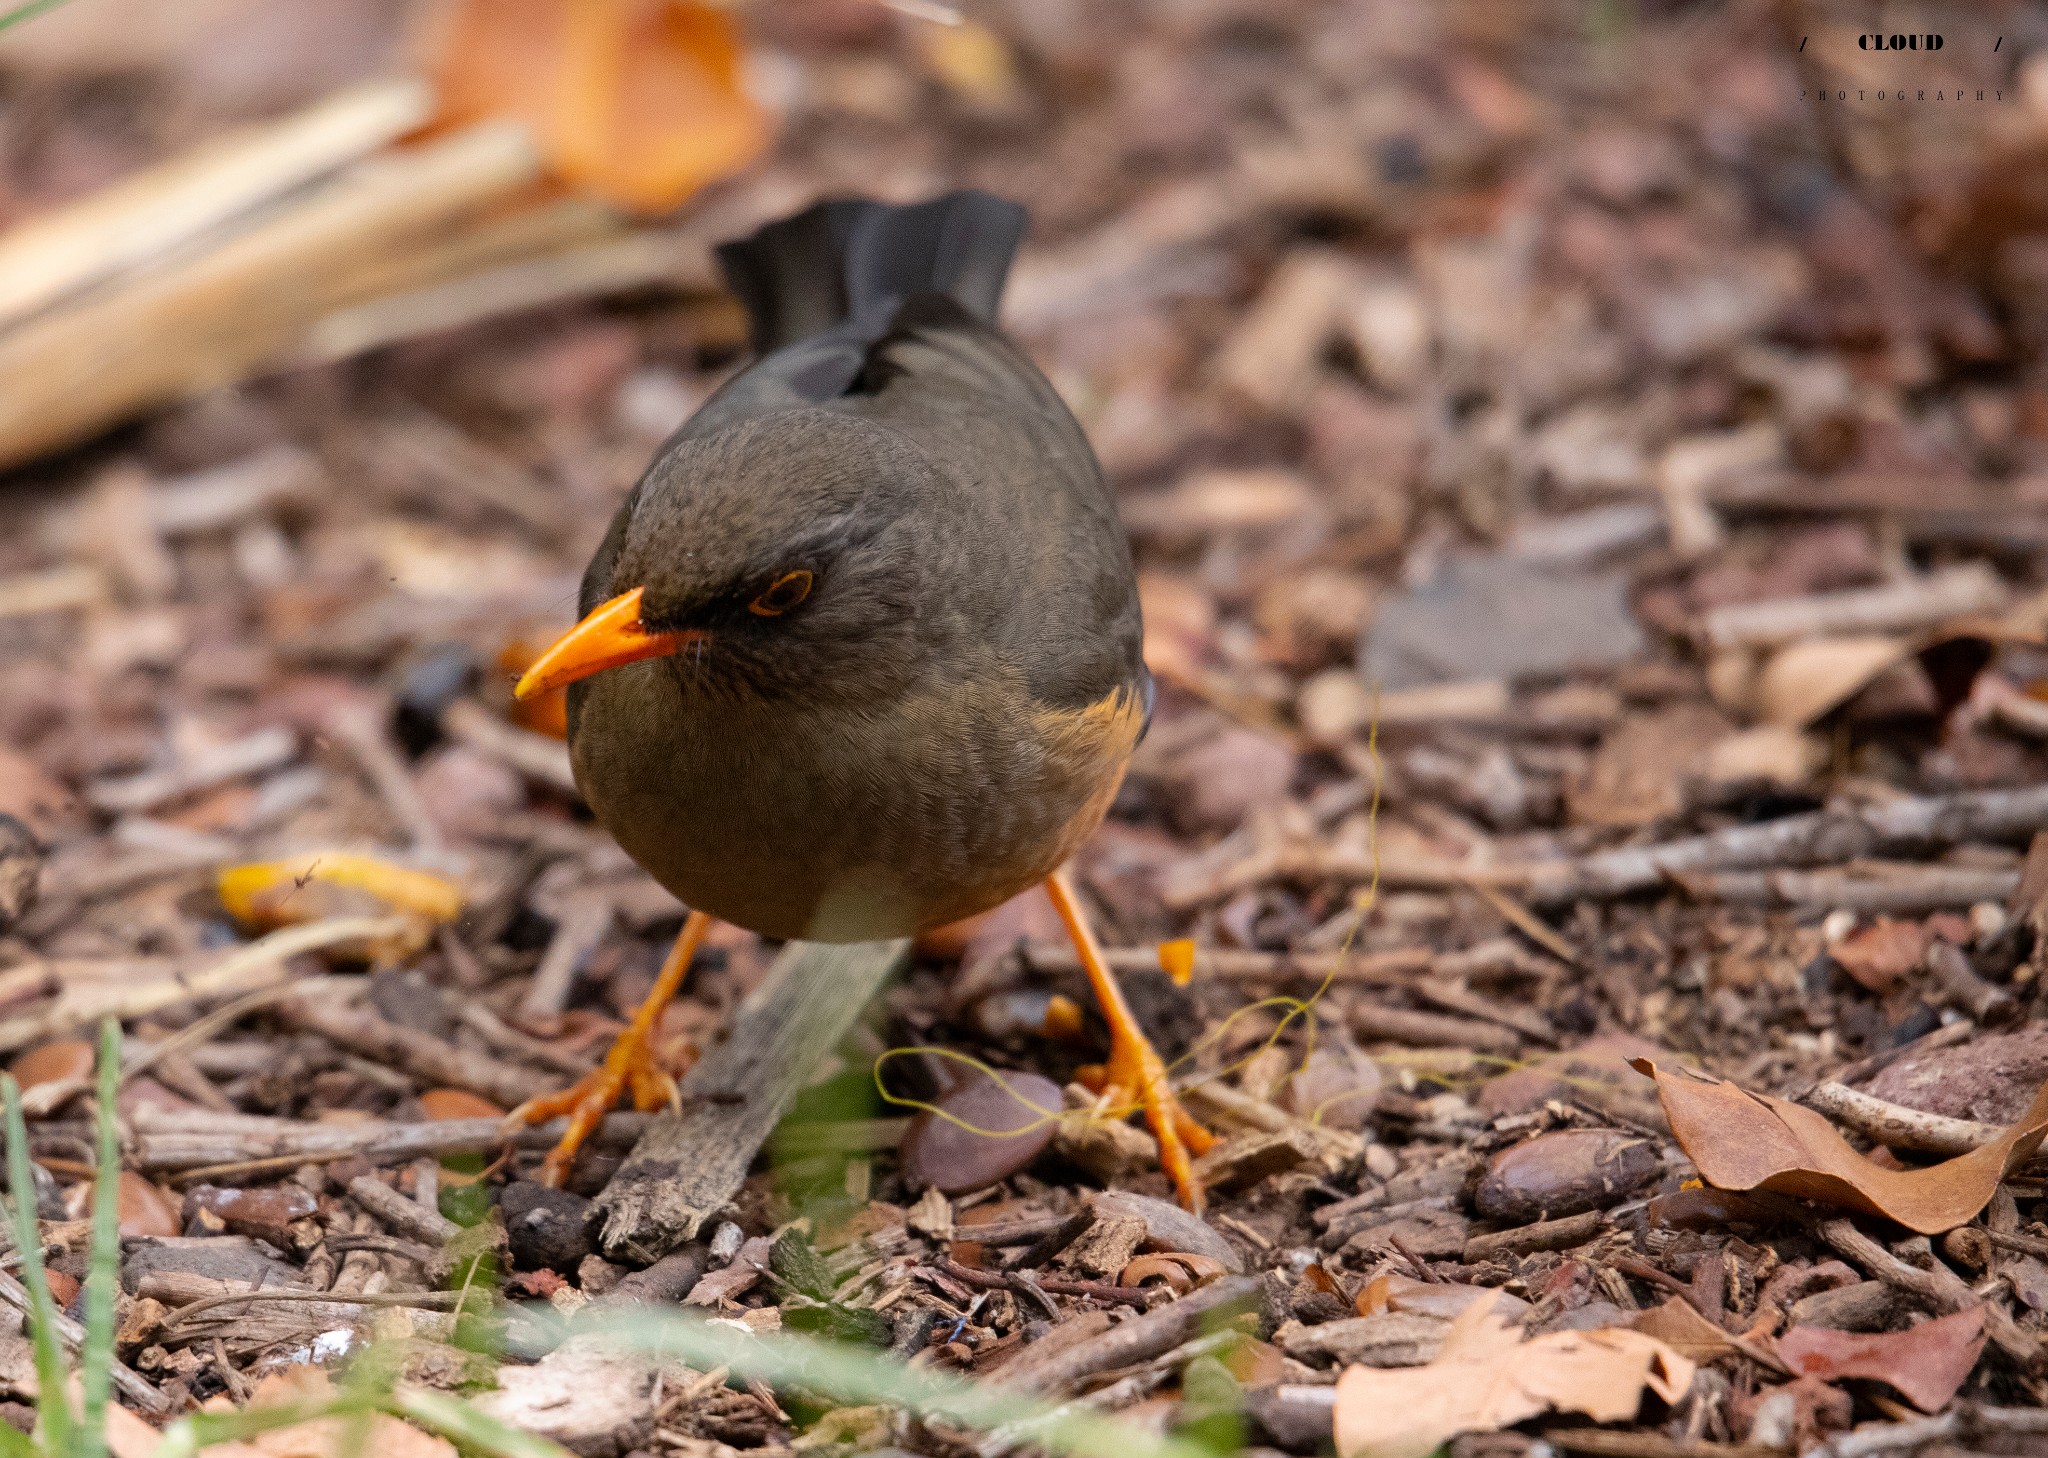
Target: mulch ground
x: 1590, y: 498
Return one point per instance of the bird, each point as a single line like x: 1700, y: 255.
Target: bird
x: 860, y: 655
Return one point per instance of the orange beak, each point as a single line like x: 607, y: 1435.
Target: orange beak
x: 609, y: 636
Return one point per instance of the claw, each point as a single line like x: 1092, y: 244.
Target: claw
x: 630, y: 1066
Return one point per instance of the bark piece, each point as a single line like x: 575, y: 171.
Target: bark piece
x: 687, y: 1166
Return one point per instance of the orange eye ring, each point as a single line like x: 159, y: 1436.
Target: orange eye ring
x: 784, y: 593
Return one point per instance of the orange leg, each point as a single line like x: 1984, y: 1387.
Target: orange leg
x: 1135, y: 1076
x: 629, y: 1066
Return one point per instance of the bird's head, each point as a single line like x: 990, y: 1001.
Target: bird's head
x: 774, y: 557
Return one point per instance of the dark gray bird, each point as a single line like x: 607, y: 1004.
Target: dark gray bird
x: 860, y: 654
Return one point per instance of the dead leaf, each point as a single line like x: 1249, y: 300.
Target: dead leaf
x: 1640, y: 770
x: 1679, y: 1325
x: 1881, y: 953
x: 641, y: 103
x: 1487, y: 1378
x: 1927, y: 1363
x: 1746, y: 1141
x: 1802, y: 681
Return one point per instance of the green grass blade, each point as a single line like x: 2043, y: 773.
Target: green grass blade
x: 53, y: 1405
x: 855, y: 1375
x: 469, y: 1427
x: 198, y: 1430
x: 96, y: 1357
x: 27, y: 12
x: 14, y: 1444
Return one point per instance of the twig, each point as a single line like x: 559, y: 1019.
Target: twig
x: 1571, y: 1231
x: 1371, y: 1022
x: 1233, y: 964
x: 360, y: 730
x: 362, y: 1029
x: 236, y: 973
x: 1144, y: 1337
x: 213, y: 315
x: 1895, y: 1124
x: 584, y: 925
x: 138, y: 1390
x: 1972, y: 587
x: 508, y: 1039
x: 1941, y: 1289
x: 408, y: 1217
x: 1986, y: 1002
x: 419, y: 1300
x: 144, y: 217
x: 1136, y: 1296
x: 203, y: 1030
x: 1821, y: 837
x: 672, y: 259
x: 1900, y: 888
x: 253, y: 754
x: 539, y: 758
x: 193, y: 1154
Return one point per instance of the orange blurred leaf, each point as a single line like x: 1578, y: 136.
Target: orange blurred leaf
x: 639, y: 101
x: 1746, y: 1141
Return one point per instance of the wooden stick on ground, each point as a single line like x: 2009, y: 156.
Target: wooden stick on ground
x: 255, y: 965
x: 192, y: 1148
x: 146, y: 216
x: 211, y: 318
x: 135, y: 1389
x: 1895, y: 1124
x: 1822, y: 837
x: 687, y: 1166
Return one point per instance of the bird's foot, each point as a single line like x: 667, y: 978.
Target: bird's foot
x: 1135, y: 1078
x: 629, y: 1067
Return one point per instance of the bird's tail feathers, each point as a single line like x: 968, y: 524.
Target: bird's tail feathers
x: 846, y: 257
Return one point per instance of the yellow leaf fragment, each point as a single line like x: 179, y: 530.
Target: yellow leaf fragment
x: 264, y: 895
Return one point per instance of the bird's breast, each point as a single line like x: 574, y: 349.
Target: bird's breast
x: 839, y: 823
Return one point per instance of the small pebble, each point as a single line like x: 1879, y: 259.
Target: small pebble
x: 457, y: 1103
x: 1005, y: 1126
x: 546, y: 1228
x: 50, y: 1062
x: 726, y: 1242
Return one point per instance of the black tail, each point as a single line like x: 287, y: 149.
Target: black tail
x: 838, y: 259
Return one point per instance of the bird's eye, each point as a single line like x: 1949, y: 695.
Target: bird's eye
x: 784, y: 593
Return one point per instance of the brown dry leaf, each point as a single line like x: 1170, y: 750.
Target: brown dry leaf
x: 1881, y: 953
x: 386, y: 1437
x: 1679, y: 1325
x: 1927, y: 1363
x: 1486, y: 1378
x: 1802, y: 681
x: 1640, y: 770
x: 1746, y: 1141
x: 640, y: 101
